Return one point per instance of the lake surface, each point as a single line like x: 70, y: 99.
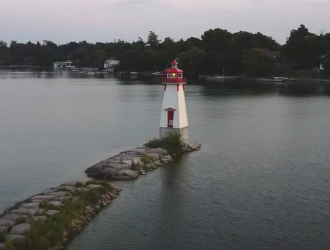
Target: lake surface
x: 261, y: 180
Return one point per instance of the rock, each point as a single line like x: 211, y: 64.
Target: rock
x: 14, y: 217
x: 12, y: 237
x: 120, y: 173
x: 20, y: 229
x: 113, y: 196
x: 3, y: 229
x: 52, y: 212
x: 49, y: 190
x: 95, y: 171
x: 68, y: 188
x: 157, y: 163
x: 25, y: 211
x: 58, y: 194
x: 140, y: 164
x: 149, y: 165
x: 64, y: 198
x: 92, y: 186
x: 2, y: 246
x: 56, y: 203
x: 36, y: 218
x: 9, y: 223
x: 43, y: 197
x: 77, y: 222
x: 142, y: 172
x: 30, y: 205
x: 70, y: 184
x: 109, y: 172
x: 131, y: 174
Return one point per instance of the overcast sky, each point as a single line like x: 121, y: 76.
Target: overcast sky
x: 63, y: 21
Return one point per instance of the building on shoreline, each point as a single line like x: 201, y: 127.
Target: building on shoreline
x: 110, y: 64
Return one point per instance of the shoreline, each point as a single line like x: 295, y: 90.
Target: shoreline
x: 19, y: 222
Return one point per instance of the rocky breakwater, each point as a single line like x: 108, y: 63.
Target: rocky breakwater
x: 49, y: 220
x: 130, y: 164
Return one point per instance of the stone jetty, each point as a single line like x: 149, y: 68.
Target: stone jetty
x: 130, y: 164
x: 72, y: 205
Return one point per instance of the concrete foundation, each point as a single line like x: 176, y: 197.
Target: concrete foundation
x: 184, y: 132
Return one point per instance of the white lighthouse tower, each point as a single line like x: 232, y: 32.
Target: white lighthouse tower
x: 174, y: 113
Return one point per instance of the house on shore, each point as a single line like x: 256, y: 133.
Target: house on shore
x: 110, y: 64
x: 275, y: 57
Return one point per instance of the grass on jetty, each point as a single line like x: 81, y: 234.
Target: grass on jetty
x: 172, y: 143
x: 46, y: 233
x: 2, y: 236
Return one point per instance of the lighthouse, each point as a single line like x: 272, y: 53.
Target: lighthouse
x: 174, y: 113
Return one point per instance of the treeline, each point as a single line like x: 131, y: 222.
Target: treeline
x: 237, y: 53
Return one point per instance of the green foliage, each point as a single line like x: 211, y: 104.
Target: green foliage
x: 45, y: 234
x: 21, y: 220
x: 134, y: 166
x: 172, y: 143
x: 79, y: 184
x: 256, y: 63
x: 326, y: 62
x: 145, y: 158
x: 2, y: 236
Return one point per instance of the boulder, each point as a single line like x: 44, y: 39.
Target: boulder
x: 92, y: 186
x: 69, y: 184
x: 140, y: 164
x: 120, y: 173
x: 37, y: 218
x: 20, y: 229
x: 58, y: 194
x: 49, y: 190
x: 63, y: 198
x: 122, y: 178
x: 3, y: 229
x: 25, y: 211
x: 153, y: 156
x: 9, y: 223
x: 109, y: 172
x: 68, y: 188
x: 95, y: 170
x: 13, y: 217
x: 43, y: 197
x: 131, y: 173
x: 52, y: 212
x: 30, y: 205
x: 149, y: 166
x: 56, y: 203
x: 77, y: 222
x: 12, y: 237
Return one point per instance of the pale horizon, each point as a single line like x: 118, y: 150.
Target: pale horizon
x: 64, y: 21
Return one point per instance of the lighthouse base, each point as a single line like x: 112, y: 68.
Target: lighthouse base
x: 183, y: 131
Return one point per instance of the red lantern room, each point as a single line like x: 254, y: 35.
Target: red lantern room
x: 174, y: 75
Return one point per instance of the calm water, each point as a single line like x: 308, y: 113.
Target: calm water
x: 261, y: 180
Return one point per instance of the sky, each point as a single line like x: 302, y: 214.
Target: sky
x: 63, y: 21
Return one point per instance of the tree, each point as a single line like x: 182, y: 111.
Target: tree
x: 326, y: 62
x: 153, y: 40
x: 191, y: 61
x: 256, y: 63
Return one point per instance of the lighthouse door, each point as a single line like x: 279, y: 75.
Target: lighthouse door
x: 170, y: 118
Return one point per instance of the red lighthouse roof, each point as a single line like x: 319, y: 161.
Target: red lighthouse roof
x: 174, y: 68
x: 174, y: 62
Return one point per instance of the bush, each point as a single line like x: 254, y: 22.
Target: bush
x: 21, y: 220
x: 134, y: 166
x: 2, y: 236
x: 145, y: 158
x: 79, y: 184
x: 172, y: 143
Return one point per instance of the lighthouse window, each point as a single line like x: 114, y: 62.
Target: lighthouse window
x: 180, y: 75
x: 171, y: 75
